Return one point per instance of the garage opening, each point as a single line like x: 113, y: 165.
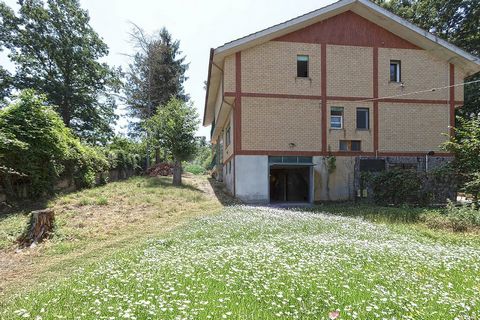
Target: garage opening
x: 289, y: 184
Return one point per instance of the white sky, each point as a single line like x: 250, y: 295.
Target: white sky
x: 199, y: 25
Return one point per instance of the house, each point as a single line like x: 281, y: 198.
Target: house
x: 299, y: 109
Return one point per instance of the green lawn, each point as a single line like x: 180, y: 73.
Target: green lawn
x: 256, y: 263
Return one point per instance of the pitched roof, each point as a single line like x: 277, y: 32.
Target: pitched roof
x: 364, y: 8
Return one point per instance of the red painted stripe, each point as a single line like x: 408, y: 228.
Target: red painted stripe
x: 340, y: 153
x: 375, y: 102
x: 338, y: 98
x: 452, y: 99
x: 323, y: 67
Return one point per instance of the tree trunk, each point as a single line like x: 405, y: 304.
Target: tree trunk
x: 157, y: 155
x: 177, y: 173
x: 40, y: 226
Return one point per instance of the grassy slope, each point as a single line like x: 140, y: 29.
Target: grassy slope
x: 254, y: 263
x: 93, y: 224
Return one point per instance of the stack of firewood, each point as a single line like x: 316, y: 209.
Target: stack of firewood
x: 160, y: 169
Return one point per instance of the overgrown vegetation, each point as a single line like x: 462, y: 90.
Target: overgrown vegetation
x: 38, y: 150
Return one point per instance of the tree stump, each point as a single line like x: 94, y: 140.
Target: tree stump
x: 40, y: 226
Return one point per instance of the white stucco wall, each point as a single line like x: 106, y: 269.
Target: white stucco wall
x: 251, y: 175
x: 228, y: 175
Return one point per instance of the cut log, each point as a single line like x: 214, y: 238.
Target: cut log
x: 40, y: 226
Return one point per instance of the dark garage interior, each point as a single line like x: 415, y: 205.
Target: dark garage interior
x: 289, y: 184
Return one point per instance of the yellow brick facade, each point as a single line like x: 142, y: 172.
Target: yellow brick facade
x: 229, y: 74
x: 349, y: 71
x: 412, y: 127
x: 272, y: 68
x: 419, y: 71
x: 273, y: 124
x: 349, y: 130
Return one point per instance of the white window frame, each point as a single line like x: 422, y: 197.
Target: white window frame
x: 336, y: 117
x: 398, y: 64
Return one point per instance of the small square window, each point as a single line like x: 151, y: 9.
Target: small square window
x: 302, y: 66
x: 336, y: 118
x: 350, y: 145
x: 363, y: 118
x: 355, y: 145
x: 395, y: 71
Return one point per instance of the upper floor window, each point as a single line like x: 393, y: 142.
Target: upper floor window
x: 350, y: 145
x: 363, y: 118
x: 227, y: 136
x: 302, y: 66
x: 395, y: 72
x: 336, y: 117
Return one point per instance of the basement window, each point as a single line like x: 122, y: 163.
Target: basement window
x: 395, y: 72
x: 363, y: 118
x: 350, y: 145
x: 336, y: 117
x: 302, y: 66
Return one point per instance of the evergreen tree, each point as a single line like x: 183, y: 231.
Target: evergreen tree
x: 156, y: 75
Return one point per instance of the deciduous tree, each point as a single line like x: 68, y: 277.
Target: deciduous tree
x: 57, y: 53
x: 174, y: 126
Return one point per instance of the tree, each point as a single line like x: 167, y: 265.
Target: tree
x: 453, y: 20
x: 156, y: 74
x: 466, y: 147
x: 57, y: 53
x: 175, y: 124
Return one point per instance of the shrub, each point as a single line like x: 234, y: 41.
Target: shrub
x: 396, y: 186
x: 194, y: 169
x: 463, y: 217
x: 36, y: 149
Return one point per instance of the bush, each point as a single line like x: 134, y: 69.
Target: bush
x: 396, y: 186
x: 194, y: 169
x: 37, y: 149
x: 463, y: 217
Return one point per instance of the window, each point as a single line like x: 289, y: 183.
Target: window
x: 363, y: 118
x: 395, y: 71
x: 230, y: 167
x: 350, y: 145
x: 302, y: 66
x: 227, y: 136
x: 336, y: 118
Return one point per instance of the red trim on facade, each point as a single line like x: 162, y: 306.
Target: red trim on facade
x: 323, y: 82
x: 348, y: 28
x: 229, y: 158
x: 238, y: 102
x: 339, y: 153
x: 375, y: 96
x: 338, y: 98
x: 452, y: 99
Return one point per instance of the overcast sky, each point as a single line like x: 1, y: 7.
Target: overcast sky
x: 199, y: 25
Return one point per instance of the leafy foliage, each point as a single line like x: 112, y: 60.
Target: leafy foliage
x: 173, y: 128
x: 56, y: 52
x: 37, y: 148
x: 466, y: 147
x: 396, y: 186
